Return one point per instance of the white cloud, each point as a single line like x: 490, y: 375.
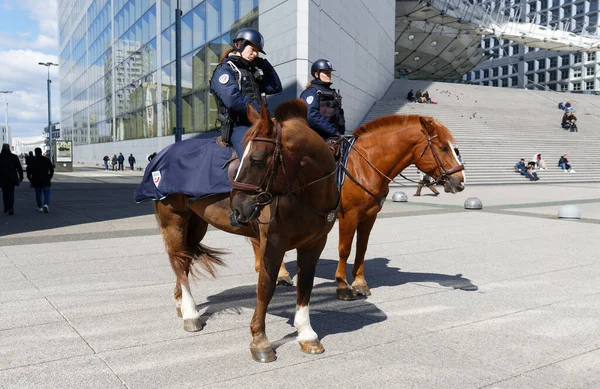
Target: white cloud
x: 28, y: 112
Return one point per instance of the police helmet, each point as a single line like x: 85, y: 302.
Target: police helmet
x: 321, y: 65
x: 248, y: 35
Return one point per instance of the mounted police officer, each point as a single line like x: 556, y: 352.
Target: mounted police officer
x: 325, y: 113
x: 242, y: 77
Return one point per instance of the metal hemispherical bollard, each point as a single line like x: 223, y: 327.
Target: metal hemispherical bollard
x: 570, y: 212
x: 473, y: 203
x: 399, y: 197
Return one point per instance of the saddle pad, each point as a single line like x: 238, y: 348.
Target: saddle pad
x: 346, y: 146
x: 193, y: 167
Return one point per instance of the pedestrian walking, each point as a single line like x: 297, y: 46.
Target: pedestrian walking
x: 131, y: 160
x: 121, y: 160
x: 114, y: 162
x: 106, y: 159
x: 40, y: 174
x: 11, y: 174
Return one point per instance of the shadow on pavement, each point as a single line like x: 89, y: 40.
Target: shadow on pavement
x: 75, y: 201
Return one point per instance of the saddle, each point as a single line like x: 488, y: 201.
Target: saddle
x: 232, y: 163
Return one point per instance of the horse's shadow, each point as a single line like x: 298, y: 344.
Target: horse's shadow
x: 379, y: 273
x: 328, y: 314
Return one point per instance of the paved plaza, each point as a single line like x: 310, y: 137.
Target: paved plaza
x: 505, y: 297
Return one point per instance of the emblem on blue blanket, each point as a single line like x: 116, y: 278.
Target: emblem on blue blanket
x: 156, y: 177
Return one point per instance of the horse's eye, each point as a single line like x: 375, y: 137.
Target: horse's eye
x: 257, y: 162
x: 444, y: 148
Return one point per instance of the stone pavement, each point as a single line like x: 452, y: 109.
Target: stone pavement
x: 506, y: 297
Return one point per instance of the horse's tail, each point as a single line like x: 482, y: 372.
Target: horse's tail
x: 182, y: 233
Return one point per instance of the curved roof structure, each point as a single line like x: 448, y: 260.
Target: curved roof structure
x: 441, y: 39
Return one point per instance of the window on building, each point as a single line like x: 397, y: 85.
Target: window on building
x: 591, y: 56
x: 530, y: 66
x: 514, y: 81
x: 530, y: 79
x: 564, y: 60
x: 494, y: 82
x: 552, y: 76
x: 542, y: 63
x: 476, y: 75
x: 594, y: 5
x: 515, y: 49
x: 486, y: 73
x: 564, y: 74
x: 576, y: 73
x: 495, y: 72
x: 577, y: 86
x: 589, y: 71
x: 505, y: 83
x: 541, y: 77
x: 553, y: 62
x: 577, y: 58
x: 469, y: 76
x: 589, y: 85
x: 564, y: 88
x: 504, y: 70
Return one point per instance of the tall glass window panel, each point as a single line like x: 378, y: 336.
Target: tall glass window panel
x: 246, y: 7
x: 199, y: 31
x: 167, y: 82
x: 139, y: 39
x: 229, y: 13
x: 186, y: 113
x: 199, y: 110
x: 146, y: 28
x: 168, y: 115
x: 199, y: 69
x: 166, y: 47
x: 186, y: 5
x: 213, y: 11
x: 187, y: 74
x: 186, y: 33
x: 152, y: 22
x: 166, y: 17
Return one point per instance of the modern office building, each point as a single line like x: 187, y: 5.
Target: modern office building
x: 117, y: 62
x: 512, y: 64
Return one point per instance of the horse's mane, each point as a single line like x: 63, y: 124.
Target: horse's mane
x: 292, y: 109
x: 401, y: 121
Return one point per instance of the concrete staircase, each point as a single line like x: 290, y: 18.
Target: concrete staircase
x: 495, y: 127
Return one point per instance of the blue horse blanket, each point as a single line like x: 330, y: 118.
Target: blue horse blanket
x: 193, y: 167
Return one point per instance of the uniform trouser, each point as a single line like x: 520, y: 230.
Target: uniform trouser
x: 237, y: 138
x: 8, y: 197
x: 430, y: 186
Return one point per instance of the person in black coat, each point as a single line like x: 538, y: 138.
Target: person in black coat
x: 11, y: 174
x: 131, y: 160
x: 40, y: 174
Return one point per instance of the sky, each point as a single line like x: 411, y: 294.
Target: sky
x: 28, y: 35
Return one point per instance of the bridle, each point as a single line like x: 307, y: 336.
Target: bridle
x: 263, y: 196
x: 444, y: 174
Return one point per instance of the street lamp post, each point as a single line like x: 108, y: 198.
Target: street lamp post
x: 178, y: 102
x: 6, y: 92
x: 48, y: 64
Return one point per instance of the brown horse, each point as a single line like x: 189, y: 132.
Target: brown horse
x: 383, y: 149
x: 285, y: 183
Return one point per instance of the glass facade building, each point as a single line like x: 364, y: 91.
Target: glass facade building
x: 117, y: 65
x: 515, y: 65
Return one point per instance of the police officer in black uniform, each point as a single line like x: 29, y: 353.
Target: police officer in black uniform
x: 325, y: 113
x: 242, y: 77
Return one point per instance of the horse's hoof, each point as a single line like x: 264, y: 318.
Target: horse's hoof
x: 346, y: 294
x: 362, y: 290
x: 285, y: 281
x: 263, y: 355
x: 311, y: 346
x: 192, y: 325
x: 178, y: 310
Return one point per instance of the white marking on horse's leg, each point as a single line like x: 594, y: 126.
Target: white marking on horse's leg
x: 302, y: 324
x: 242, y: 160
x: 188, y: 305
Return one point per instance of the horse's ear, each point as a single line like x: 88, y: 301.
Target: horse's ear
x: 252, y: 113
x: 266, y: 120
x: 428, y: 124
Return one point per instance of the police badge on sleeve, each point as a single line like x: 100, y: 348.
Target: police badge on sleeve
x: 310, y: 99
x: 224, y: 78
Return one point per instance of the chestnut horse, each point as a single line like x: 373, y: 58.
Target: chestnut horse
x: 383, y: 148
x: 285, y: 182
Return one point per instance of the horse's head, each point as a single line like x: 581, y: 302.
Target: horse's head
x: 437, y: 155
x: 271, y: 161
